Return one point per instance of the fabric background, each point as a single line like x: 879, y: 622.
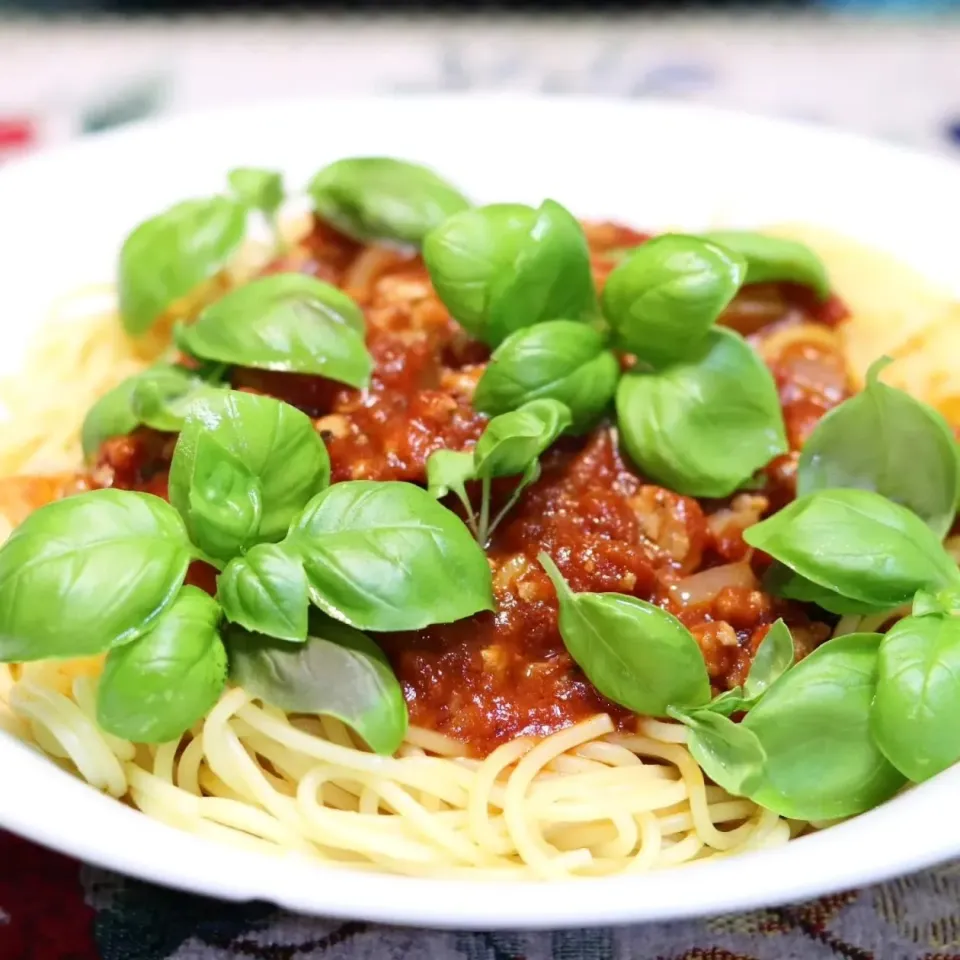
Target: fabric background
x: 899, y: 82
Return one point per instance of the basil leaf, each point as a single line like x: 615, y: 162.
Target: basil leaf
x: 87, y: 573
x: 559, y: 360
x: 663, y: 299
x: 157, y: 397
x: 774, y: 259
x: 257, y: 189
x: 512, y: 441
x: 168, y: 256
x: 155, y: 688
x: 448, y: 471
x: 507, y: 266
x: 704, y: 425
x: 224, y: 502
x: 866, y: 443
x: 242, y: 446
x: 387, y: 556
x: 814, y: 725
x: 773, y: 659
x: 338, y: 672
x: 915, y: 716
x: 783, y: 582
x: 945, y: 601
x: 858, y: 544
x: 266, y: 592
x: 287, y: 321
x: 729, y: 702
x: 379, y: 198
x: 728, y: 753
x: 634, y: 653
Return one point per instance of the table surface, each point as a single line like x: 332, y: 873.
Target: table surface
x: 894, y: 81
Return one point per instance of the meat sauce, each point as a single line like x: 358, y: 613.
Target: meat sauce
x: 498, y: 675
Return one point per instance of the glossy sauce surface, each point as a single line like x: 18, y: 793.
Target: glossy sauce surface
x: 495, y: 676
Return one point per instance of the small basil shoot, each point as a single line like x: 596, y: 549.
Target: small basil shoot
x: 814, y: 726
x: 857, y: 544
x: 513, y: 440
x: 511, y: 444
x: 88, y: 573
x: 337, y: 672
x: 288, y: 322
x: 168, y: 256
x: 560, y: 360
x: 661, y: 301
x: 243, y: 468
x: 634, y: 653
x: 157, y: 397
x: 770, y: 259
x: 773, y: 659
x: 704, y: 425
x: 379, y: 198
x: 266, y: 591
x: 729, y: 753
x: 883, y: 440
x: 258, y: 189
x: 507, y: 266
x: 915, y: 715
x: 944, y: 601
x: 154, y: 689
x: 448, y: 472
x: 387, y: 556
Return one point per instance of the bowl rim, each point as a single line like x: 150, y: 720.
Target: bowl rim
x: 872, y: 847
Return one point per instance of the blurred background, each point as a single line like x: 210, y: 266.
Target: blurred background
x: 887, y: 68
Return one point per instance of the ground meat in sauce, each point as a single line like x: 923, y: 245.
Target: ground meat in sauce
x: 498, y: 675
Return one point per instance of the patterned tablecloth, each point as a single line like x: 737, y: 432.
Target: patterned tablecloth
x: 898, y: 82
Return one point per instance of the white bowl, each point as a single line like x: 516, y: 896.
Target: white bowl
x: 62, y: 216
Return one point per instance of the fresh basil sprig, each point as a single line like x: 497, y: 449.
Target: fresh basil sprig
x: 770, y: 259
x: 559, y: 359
x: 662, y: 300
x: 881, y: 439
x: 814, y: 727
x: 166, y: 257
x: 337, y: 671
x: 287, y: 321
x: 87, y: 573
x: 380, y: 198
x: 636, y: 654
x: 857, y: 544
x: 372, y: 554
x: 507, y: 266
x: 510, y: 446
x: 154, y: 688
x: 158, y: 397
x: 915, y: 716
x: 375, y: 552
x: 704, y: 425
x: 243, y: 468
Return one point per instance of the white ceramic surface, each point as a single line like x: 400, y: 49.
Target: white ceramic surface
x: 62, y: 216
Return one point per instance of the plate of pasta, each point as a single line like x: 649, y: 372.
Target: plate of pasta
x: 406, y: 503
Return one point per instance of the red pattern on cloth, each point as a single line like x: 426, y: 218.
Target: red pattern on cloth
x: 43, y: 914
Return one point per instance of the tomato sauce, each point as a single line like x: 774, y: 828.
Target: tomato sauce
x: 498, y: 675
